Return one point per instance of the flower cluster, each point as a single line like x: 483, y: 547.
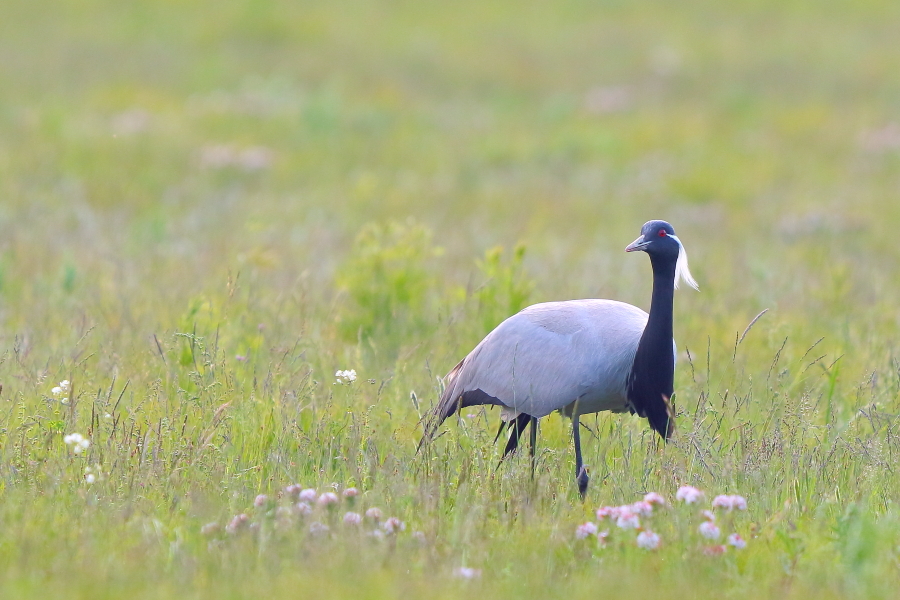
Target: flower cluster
x: 343, y: 377
x: 77, y: 441
x: 63, y: 388
x: 637, y: 516
x: 316, y: 512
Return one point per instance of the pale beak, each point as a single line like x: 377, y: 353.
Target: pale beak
x: 638, y: 244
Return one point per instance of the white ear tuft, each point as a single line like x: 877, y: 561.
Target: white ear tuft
x: 682, y: 272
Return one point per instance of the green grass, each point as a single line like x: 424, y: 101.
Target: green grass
x: 208, y: 208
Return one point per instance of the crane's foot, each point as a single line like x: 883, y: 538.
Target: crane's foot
x: 582, y: 480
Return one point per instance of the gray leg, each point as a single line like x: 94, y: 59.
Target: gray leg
x: 534, y: 422
x: 581, y: 475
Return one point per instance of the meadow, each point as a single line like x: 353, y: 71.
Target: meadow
x: 208, y: 209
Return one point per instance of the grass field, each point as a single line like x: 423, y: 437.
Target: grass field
x: 208, y: 208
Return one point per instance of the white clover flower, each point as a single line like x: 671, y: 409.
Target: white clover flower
x: 308, y: 495
x: 64, y: 401
x: 710, y: 530
x: 627, y: 520
x: 688, y: 494
x: 374, y: 514
x: 648, y: 540
x: 584, y: 530
x: 467, y: 573
x: 394, y: 525
x: 56, y: 391
x: 65, y: 385
x: 352, y: 518
x: 737, y: 541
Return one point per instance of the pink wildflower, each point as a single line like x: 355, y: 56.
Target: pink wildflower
x: 307, y: 495
x: 730, y: 502
x: 374, y: 514
x: 584, y: 530
x: 293, y: 490
x: 238, y: 523
x: 328, y: 499
x: 302, y: 508
x: 710, y: 530
x: 607, y: 511
x: 688, y: 494
x: 627, y: 520
x: 394, y: 525
x: 715, y: 550
x: 261, y: 501
x: 708, y: 515
x: 654, y: 498
x: 648, y: 540
x: 644, y: 509
x: 351, y: 492
x: 352, y: 518
x: 737, y: 541
x: 318, y: 528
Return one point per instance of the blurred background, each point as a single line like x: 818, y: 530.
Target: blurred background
x: 357, y: 172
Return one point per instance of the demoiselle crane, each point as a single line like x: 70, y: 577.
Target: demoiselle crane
x: 578, y: 357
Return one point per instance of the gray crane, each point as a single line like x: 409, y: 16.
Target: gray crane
x: 578, y: 357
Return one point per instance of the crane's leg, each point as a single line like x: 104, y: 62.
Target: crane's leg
x: 581, y: 475
x: 534, y: 422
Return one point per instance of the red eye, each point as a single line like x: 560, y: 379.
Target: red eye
x: 662, y: 233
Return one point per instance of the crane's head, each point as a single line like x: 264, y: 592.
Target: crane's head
x: 658, y: 239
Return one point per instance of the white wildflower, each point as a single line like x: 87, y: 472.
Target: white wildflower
x: 77, y: 441
x: 348, y: 376
x: 56, y: 391
x: 467, y: 573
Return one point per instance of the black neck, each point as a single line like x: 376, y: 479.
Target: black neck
x: 651, y: 381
